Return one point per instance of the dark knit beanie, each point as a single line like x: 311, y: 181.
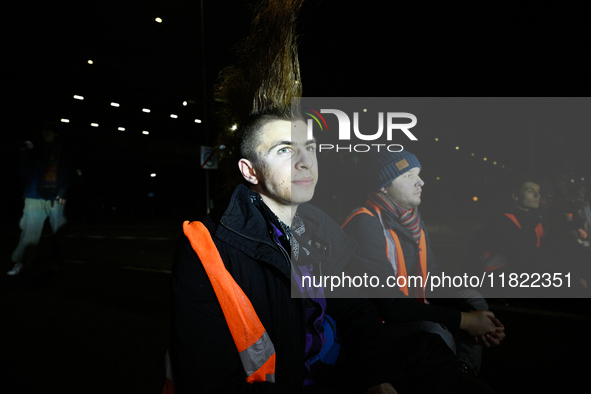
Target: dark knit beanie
x: 386, y: 166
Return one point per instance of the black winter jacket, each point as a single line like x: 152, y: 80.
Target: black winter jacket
x: 203, y: 353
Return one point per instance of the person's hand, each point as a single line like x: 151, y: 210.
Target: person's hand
x: 384, y: 388
x: 477, y: 323
x: 61, y: 201
x: 493, y: 338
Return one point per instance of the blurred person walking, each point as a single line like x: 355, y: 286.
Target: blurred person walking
x: 47, y: 180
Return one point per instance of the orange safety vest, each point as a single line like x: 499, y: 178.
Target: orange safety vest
x: 254, y: 345
x: 539, y: 228
x: 395, y: 254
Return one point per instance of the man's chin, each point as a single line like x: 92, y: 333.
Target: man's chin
x: 301, y: 197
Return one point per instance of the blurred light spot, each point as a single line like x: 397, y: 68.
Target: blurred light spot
x: 197, y: 120
x: 438, y: 178
x: 159, y: 20
x: 121, y: 128
x: 485, y: 159
x: 471, y: 154
x: 495, y: 163
x: 457, y: 147
x: 65, y: 120
x: 184, y: 103
x: 436, y: 139
x: 94, y: 124
x: 78, y: 97
x: 234, y: 127
x: 145, y: 110
x: 114, y: 104
x: 90, y: 62
x: 174, y: 116
x: 153, y: 174
x: 145, y: 132
x: 474, y: 198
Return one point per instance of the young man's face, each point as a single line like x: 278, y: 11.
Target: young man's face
x: 406, y: 189
x: 287, y: 169
x: 528, y: 196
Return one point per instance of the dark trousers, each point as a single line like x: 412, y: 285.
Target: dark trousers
x: 423, y: 363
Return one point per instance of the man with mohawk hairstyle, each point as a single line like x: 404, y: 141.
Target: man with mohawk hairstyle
x: 235, y: 326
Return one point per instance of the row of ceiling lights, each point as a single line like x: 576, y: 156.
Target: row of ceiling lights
x: 117, y: 105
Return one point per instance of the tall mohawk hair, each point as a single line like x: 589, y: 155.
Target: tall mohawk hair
x: 267, y: 73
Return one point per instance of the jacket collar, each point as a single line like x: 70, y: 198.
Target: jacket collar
x: 244, y: 225
x: 243, y: 216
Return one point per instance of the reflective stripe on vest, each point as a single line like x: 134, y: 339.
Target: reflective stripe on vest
x: 169, y: 386
x: 396, y: 255
x: 539, y: 228
x: 254, y: 345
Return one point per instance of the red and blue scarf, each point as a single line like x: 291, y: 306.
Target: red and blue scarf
x: 410, y: 219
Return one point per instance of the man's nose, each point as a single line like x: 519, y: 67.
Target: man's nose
x: 303, y: 160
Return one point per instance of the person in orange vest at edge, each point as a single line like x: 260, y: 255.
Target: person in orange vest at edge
x: 513, y: 239
x: 570, y: 226
x: 394, y: 242
x: 523, y: 239
x: 235, y: 326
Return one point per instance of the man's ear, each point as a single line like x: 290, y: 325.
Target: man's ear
x: 248, y: 172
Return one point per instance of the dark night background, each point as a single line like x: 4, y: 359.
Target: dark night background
x: 353, y: 50
x: 105, y: 317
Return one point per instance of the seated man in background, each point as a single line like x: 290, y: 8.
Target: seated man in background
x: 512, y: 240
x: 518, y: 240
x: 394, y: 242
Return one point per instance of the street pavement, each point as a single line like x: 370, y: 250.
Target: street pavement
x: 99, y: 322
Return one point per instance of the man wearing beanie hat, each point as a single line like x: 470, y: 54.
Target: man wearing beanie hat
x: 394, y: 242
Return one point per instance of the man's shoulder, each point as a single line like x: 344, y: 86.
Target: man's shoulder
x: 361, y: 216
x: 318, y: 220
x: 213, y: 225
x: 325, y: 230
x: 312, y: 215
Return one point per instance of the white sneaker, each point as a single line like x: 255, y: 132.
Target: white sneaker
x: 18, y: 267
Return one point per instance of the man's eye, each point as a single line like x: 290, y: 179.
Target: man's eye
x: 283, y: 150
x: 311, y: 148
